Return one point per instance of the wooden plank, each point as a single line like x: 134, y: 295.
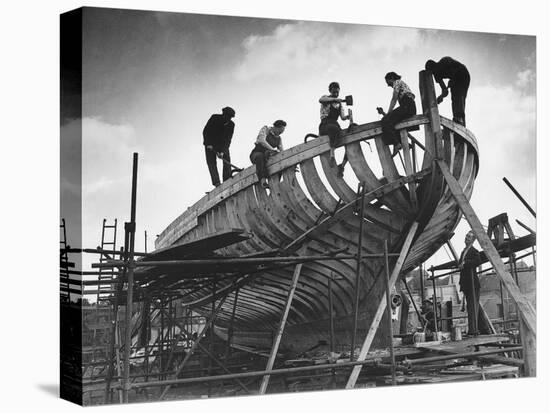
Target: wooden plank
x: 338, y: 185
x: 363, y: 172
x: 330, y: 220
x: 277, y: 163
x: 432, y: 130
x: 408, y: 166
x: 525, y: 308
x: 382, y: 306
x: 275, y: 348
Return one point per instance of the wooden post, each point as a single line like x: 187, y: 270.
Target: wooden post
x: 360, y: 192
x: 432, y: 130
x: 131, y: 230
x: 275, y: 348
x: 230, y: 328
x: 526, y: 311
x: 388, y: 311
x: 409, y: 166
x: 381, y: 307
x: 331, y: 317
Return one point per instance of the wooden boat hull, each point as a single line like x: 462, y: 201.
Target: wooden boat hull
x: 312, y: 211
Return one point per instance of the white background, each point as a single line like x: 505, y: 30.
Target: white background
x: 29, y: 98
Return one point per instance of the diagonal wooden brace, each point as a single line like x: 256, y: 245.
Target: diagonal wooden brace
x: 275, y: 348
x: 526, y: 310
x: 382, y: 306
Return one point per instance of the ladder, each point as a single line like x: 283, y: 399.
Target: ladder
x: 65, y: 286
x: 106, y: 275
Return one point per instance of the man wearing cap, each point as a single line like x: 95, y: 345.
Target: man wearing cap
x: 217, y: 135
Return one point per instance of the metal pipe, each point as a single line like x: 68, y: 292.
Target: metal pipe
x: 256, y: 373
x: 130, y: 228
x: 521, y: 224
x: 113, y: 333
x: 422, y: 286
x: 331, y: 317
x: 435, y: 303
x: 388, y: 311
x: 360, y: 192
x: 524, y: 202
x: 224, y: 261
x: 472, y: 354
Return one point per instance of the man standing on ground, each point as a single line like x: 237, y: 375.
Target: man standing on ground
x: 459, y: 82
x: 217, y: 135
x: 469, y: 284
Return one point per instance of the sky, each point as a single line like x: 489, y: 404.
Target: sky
x: 151, y: 80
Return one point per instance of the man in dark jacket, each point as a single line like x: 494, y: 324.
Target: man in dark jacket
x: 217, y: 135
x: 459, y: 82
x: 469, y: 285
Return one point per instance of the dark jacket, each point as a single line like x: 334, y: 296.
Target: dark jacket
x: 449, y: 68
x: 218, y: 132
x: 468, y: 272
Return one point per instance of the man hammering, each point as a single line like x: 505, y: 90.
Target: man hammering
x: 217, y: 135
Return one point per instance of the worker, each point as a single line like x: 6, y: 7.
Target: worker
x: 331, y: 110
x: 428, y: 315
x: 407, y: 108
x: 469, y: 285
x: 267, y: 144
x: 459, y: 82
x: 217, y: 135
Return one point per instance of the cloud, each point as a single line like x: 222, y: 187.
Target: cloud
x: 297, y: 49
x: 525, y: 78
x: 504, y: 122
x: 106, y: 150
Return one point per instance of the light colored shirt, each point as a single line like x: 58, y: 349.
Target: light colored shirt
x: 325, y: 108
x: 262, y: 138
x: 401, y: 88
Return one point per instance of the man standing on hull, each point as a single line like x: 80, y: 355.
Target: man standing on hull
x: 459, y: 82
x: 217, y: 135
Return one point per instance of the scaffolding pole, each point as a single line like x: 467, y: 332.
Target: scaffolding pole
x: 382, y: 306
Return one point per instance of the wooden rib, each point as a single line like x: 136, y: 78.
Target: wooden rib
x: 364, y: 174
x: 390, y: 171
x: 338, y: 185
x: 316, y: 188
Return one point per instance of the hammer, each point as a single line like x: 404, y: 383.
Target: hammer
x: 348, y: 100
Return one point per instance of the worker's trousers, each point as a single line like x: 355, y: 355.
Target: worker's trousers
x: 213, y: 168
x: 406, y: 109
x: 260, y: 160
x: 459, y: 91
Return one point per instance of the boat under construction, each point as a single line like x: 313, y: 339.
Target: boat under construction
x: 255, y: 280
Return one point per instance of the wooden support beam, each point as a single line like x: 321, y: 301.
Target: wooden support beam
x: 433, y: 132
x: 526, y: 310
x: 381, y: 307
x: 409, y: 166
x: 275, y: 348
